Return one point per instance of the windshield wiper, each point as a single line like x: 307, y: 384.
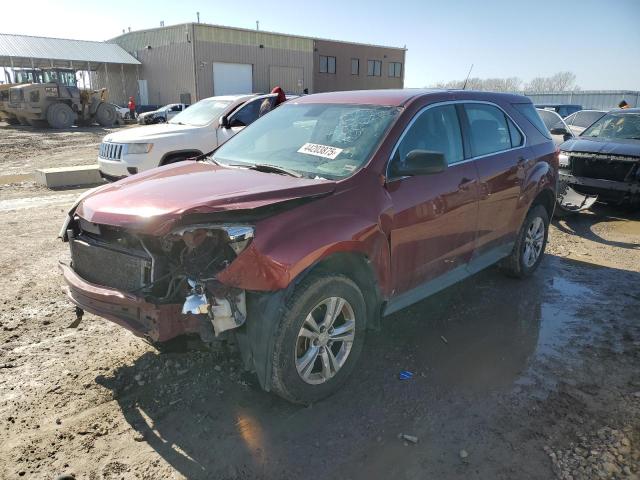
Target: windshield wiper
x: 264, y: 167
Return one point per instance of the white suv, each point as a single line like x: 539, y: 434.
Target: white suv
x: 198, y: 129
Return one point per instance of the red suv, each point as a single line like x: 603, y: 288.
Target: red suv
x: 314, y: 222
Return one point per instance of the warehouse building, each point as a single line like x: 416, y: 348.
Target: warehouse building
x: 187, y: 62
x: 101, y: 64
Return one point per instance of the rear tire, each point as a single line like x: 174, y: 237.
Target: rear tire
x: 106, y: 115
x: 60, y: 115
x: 529, y: 248
x: 313, y: 362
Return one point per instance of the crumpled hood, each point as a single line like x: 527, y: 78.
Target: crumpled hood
x: 603, y: 146
x: 152, y: 201
x: 150, y: 133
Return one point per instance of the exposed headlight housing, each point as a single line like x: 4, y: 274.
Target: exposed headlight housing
x: 139, y: 148
x: 237, y: 236
x: 563, y: 159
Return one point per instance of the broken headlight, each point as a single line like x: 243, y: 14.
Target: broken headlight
x: 236, y: 236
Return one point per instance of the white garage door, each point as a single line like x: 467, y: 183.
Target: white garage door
x: 232, y: 78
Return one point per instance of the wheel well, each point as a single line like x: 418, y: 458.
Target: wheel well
x: 547, y: 199
x: 356, y: 267
x: 182, y: 154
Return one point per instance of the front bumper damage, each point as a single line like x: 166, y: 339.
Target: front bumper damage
x: 587, y: 177
x: 154, y: 323
x: 158, y: 288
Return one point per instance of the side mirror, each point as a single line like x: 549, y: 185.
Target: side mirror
x: 420, y: 162
x: 224, y: 121
x: 559, y: 131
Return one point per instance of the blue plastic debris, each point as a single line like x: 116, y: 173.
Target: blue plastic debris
x: 405, y: 375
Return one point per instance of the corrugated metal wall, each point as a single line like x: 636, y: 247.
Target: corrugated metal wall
x: 120, y: 81
x: 596, y: 100
x: 168, y: 70
x: 167, y: 61
x: 260, y: 49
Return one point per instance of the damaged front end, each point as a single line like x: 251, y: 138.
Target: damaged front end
x: 585, y: 177
x: 157, y: 287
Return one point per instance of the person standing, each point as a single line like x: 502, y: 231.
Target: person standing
x: 132, y: 108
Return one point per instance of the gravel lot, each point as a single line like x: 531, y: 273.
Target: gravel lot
x: 532, y: 379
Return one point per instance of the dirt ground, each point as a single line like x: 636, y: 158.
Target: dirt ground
x: 533, y: 379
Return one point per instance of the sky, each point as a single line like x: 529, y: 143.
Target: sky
x: 598, y: 40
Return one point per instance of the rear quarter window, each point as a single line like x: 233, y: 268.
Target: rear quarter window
x: 531, y: 114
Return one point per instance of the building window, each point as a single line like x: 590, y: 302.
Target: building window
x: 374, y: 68
x: 327, y: 64
x: 355, y: 66
x: 395, y: 69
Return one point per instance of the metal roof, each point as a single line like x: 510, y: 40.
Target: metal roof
x: 44, y: 48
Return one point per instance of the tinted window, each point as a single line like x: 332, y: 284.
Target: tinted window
x: 489, y: 130
x: 355, y: 66
x: 571, y: 119
x: 531, y: 114
x: 437, y: 130
x: 374, y: 68
x: 395, y: 69
x: 323, y: 64
x: 516, y: 137
x: 247, y: 114
x: 327, y: 64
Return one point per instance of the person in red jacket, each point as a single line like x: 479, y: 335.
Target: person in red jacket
x: 132, y: 108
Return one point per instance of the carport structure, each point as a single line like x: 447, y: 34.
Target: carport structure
x: 104, y: 65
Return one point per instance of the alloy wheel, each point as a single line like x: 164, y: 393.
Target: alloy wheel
x: 533, y: 242
x: 325, y: 340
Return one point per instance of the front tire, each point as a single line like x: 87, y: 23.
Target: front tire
x: 530, y: 244
x: 319, y: 338
x: 60, y: 115
x: 106, y: 115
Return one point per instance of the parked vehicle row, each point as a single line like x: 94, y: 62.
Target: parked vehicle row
x: 161, y: 115
x: 298, y: 234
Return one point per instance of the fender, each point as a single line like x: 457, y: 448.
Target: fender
x: 261, y: 268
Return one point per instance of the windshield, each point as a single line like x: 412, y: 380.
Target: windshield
x: 616, y: 125
x: 201, y: 113
x: 314, y: 140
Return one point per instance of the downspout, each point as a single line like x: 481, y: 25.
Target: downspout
x: 195, y: 68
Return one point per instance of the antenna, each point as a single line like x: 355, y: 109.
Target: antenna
x: 467, y: 79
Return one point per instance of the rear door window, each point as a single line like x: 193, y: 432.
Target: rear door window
x: 489, y: 129
x: 436, y: 129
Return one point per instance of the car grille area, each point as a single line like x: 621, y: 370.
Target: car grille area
x: 106, y: 265
x: 620, y: 169
x: 111, y: 151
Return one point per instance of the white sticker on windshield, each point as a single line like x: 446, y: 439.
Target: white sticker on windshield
x: 325, y: 151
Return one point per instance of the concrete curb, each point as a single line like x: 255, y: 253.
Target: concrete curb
x: 68, y: 176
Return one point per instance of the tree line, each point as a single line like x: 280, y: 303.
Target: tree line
x: 559, y: 82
